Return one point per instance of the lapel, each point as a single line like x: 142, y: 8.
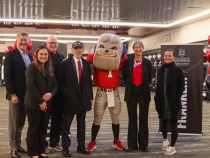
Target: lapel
x: 30, y: 57
x: 84, y: 70
x: 169, y: 75
x: 130, y: 67
x: 50, y: 80
x: 73, y: 72
x: 19, y: 57
x: 60, y: 57
x: 143, y: 69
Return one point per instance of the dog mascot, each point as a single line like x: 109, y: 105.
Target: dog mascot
x: 107, y: 61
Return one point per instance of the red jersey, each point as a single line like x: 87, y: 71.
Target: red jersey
x: 100, y: 77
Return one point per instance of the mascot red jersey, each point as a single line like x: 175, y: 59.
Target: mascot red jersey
x: 107, y: 61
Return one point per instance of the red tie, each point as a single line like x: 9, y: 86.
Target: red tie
x: 80, y: 71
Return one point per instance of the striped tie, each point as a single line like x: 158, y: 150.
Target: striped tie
x: 80, y: 71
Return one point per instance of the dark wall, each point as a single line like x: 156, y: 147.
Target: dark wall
x: 62, y: 47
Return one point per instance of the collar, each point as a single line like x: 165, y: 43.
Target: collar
x: 21, y: 52
x: 76, y: 60
x: 54, y: 55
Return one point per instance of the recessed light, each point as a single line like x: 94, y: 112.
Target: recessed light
x: 103, y: 5
x: 167, y: 8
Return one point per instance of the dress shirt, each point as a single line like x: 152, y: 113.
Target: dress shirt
x: 76, y: 64
x: 25, y: 57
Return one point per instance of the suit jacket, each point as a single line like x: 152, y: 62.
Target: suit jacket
x: 76, y: 99
x: 174, y: 88
x: 14, y: 73
x: 37, y: 85
x: 127, y: 73
x: 56, y: 61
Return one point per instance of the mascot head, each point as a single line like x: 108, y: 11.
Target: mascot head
x: 108, y: 52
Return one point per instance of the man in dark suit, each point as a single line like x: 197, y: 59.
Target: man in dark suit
x: 74, y: 77
x: 16, y: 62
x: 57, y: 107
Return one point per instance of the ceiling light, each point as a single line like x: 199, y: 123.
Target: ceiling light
x: 167, y: 8
x: 101, y: 23
x: 189, y: 18
x: 41, y: 40
x: 93, y: 23
x: 103, y: 5
x: 37, y: 37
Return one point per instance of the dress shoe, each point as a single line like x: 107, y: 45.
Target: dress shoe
x: 43, y: 156
x: 131, y: 149
x: 14, y: 154
x: 21, y: 149
x: 82, y: 150
x: 144, y: 149
x: 66, y: 153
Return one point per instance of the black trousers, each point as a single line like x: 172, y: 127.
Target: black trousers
x: 37, y: 129
x: 174, y: 130
x: 67, y: 120
x: 56, y: 120
x: 137, y: 135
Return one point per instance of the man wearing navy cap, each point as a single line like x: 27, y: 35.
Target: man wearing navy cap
x: 74, y: 78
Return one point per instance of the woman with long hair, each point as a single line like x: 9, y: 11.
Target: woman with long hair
x: 41, y: 87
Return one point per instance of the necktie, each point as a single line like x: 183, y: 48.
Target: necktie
x: 80, y: 71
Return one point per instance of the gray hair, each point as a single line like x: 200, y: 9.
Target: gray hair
x: 21, y: 34
x: 138, y: 42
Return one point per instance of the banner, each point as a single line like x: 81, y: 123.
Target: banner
x: 190, y: 58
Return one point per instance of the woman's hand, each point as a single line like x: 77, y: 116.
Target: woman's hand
x: 47, y: 96
x: 43, y: 106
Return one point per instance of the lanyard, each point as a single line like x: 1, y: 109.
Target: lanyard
x: 136, y: 63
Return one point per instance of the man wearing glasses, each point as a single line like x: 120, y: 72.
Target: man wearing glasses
x: 56, y: 111
x: 74, y: 78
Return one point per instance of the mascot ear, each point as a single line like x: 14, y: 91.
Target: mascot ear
x: 124, y: 50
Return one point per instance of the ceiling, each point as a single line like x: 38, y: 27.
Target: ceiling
x: 126, y: 18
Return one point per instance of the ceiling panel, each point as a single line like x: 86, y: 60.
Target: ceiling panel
x: 112, y: 11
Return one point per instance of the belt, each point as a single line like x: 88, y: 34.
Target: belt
x: 136, y: 85
x: 108, y: 90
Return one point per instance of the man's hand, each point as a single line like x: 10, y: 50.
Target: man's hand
x: 14, y: 99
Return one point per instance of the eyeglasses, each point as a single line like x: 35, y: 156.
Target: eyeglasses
x: 51, y: 43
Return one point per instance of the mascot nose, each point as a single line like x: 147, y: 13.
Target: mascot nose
x: 106, y: 51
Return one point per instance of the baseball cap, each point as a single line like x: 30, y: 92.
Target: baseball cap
x: 77, y: 44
